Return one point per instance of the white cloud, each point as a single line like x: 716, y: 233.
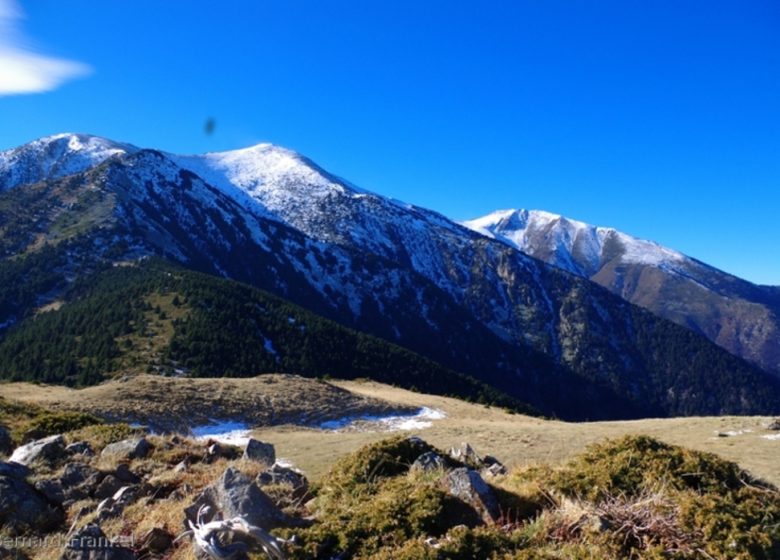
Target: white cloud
x: 22, y: 70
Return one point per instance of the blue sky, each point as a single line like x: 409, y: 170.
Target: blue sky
x: 659, y: 118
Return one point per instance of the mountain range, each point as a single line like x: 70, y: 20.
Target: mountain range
x: 741, y: 317
x: 474, y: 302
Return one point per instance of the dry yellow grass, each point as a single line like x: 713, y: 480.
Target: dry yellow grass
x: 270, y: 400
x: 521, y: 440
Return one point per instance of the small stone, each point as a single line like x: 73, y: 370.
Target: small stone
x: 76, y: 473
x: 123, y: 473
x: 465, y: 454
x: 52, y: 490
x: 80, y: 448
x: 427, y: 462
x: 134, y: 448
x: 260, y: 451
x: 47, y: 449
x: 108, y: 486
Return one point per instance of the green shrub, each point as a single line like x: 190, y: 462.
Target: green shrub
x: 51, y: 423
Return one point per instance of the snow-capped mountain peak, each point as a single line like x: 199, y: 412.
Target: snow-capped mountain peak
x: 573, y: 245
x: 56, y: 156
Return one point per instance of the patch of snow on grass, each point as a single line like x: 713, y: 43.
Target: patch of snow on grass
x: 771, y: 436
x: 421, y: 419
x: 224, y: 431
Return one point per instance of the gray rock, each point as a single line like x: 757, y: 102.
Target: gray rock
x: 774, y: 425
x: 90, y: 543
x: 6, y: 444
x: 427, y: 462
x: 492, y: 466
x: 47, y: 449
x: 75, y: 474
x: 52, y: 490
x: 465, y: 454
x: 283, y: 475
x: 467, y: 485
x: 134, y: 448
x: 260, y: 451
x: 123, y: 473
x: 80, y: 448
x: 108, y: 487
x: 496, y: 469
x: 23, y: 509
x: 115, y: 505
x: 235, y: 494
x: 14, y: 470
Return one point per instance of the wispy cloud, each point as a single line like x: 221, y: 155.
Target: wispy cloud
x: 22, y: 69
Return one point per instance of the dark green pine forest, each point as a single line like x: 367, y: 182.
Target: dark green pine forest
x: 155, y: 317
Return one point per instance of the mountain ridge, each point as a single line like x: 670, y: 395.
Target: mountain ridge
x: 742, y: 317
x: 403, y: 273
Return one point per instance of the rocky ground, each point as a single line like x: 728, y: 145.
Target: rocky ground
x: 148, y: 496
x: 76, y: 486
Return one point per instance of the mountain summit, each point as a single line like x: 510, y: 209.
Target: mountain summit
x: 74, y: 205
x: 739, y: 316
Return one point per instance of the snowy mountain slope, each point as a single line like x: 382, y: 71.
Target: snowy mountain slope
x: 55, y: 156
x: 271, y: 218
x: 739, y: 316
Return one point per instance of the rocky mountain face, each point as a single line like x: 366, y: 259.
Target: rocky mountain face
x: 271, y: 218
x: 739, y: 316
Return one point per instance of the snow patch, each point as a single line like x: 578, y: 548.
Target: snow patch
x: 421, y: 419
x: 223, y: 431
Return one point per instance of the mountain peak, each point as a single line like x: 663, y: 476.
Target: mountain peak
x: 570, y: 244
x: 56, y: 156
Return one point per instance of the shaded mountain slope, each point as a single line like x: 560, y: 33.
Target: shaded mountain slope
x: 270, y: 218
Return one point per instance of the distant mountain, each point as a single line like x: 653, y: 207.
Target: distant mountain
x: 273, y: 219
x: 739, y: 316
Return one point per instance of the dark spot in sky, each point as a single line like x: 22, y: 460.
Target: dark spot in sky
x: 209, y: 127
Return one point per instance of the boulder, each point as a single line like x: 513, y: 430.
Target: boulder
x: 52, y: 490
x: 123, y: 473
x: 468, y: 486
x: 108, y: 487
x: 6, y: 444
x: 427, y: 462
x: 76, y: 473
x: 133, y: 448
x: 14, y: 470
x: 47, y: 449
x: 24, y: 510
x: 260, y: 451
x: 235, y: 494
x: 80, y: 448
x: 774, y: 425
x: 90, y: 543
